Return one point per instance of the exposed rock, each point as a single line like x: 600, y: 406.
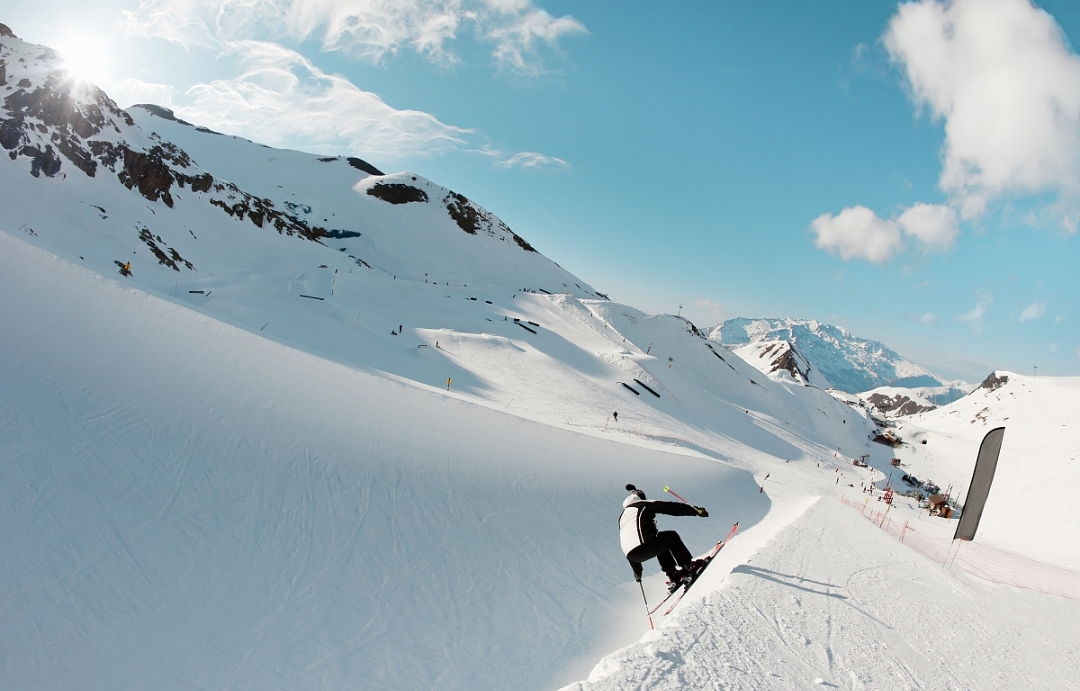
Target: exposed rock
x: 463, y: 212
x: 68, y: 114
x: 994, y: 382
x: 5, y: 31
x: 10, y: 134
x: 149, y: 173
x: 41, y: 161
x: 397, y: 193
x: 472, y: 219
x: 360, y: 164
x: 171, y: 260
x: 898, y: 404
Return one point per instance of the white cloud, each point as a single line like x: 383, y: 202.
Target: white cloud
x: 281, y: 98
x: 532, y: 159
x: 1033, y: 311
x: 928, y: 319
x: 187, y: 22
x: 718, y: 311
x: 128, y: 92
x: 1001, y: 75
x: 934, y: 225
x: 859, y: 233
x: 520, y: 41
x: 520, y: 35
x: 974, y: 318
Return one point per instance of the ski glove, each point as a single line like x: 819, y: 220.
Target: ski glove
x: 701, y: 511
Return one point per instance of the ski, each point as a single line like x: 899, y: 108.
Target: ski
x: 708, y: 560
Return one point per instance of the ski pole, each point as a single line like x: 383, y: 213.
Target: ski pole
x: 647, y: 610
x: 669, y: 491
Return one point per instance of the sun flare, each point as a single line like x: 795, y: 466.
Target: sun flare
x: 85, y: 59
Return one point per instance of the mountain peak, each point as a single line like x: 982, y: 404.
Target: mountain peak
x: 840, y: 360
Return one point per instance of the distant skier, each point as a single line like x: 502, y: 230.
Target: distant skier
x: 641, y: 541
x: 615, y: 415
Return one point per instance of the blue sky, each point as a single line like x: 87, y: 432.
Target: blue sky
x: 909, y: 172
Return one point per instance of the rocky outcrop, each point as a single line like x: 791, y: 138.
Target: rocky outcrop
x: 52, y: 120
x: 994, y: 382
x: 898, y: 404
x: 360, y: 164
x: 473, y: 219
x: 397, y: 193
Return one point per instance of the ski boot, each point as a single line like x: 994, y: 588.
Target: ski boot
x: 676, y: 580
x: 696, y: 567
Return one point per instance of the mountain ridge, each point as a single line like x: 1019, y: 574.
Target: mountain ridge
x: 842, y: 360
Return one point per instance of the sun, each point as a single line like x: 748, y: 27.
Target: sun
x: 84, y: 58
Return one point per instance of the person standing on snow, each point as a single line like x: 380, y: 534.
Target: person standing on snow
x: 641, y: 541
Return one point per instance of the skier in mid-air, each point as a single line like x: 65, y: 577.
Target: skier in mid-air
x: 641, y: 541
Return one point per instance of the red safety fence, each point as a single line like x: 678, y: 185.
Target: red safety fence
x: 988, y: 563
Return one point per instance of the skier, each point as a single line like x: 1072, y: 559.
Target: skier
x: 641, y: 541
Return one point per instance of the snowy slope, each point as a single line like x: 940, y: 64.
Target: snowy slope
x: 187, y: 504
x: 1029, y: 510
x: 833, y: 602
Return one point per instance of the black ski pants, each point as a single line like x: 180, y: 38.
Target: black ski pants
x: 667, y: 547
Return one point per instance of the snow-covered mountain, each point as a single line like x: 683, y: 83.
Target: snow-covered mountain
x: 833, y: 357
x: 271, y: 420
x: 782, y: 360
x: 181, y: 202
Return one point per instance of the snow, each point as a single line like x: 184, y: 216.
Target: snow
x: 833, y: 601
x: 1029, y: 510
x: 398, y: 486
x: 189, y: 504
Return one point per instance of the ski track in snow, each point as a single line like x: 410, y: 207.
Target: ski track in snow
x: 834, y: 602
